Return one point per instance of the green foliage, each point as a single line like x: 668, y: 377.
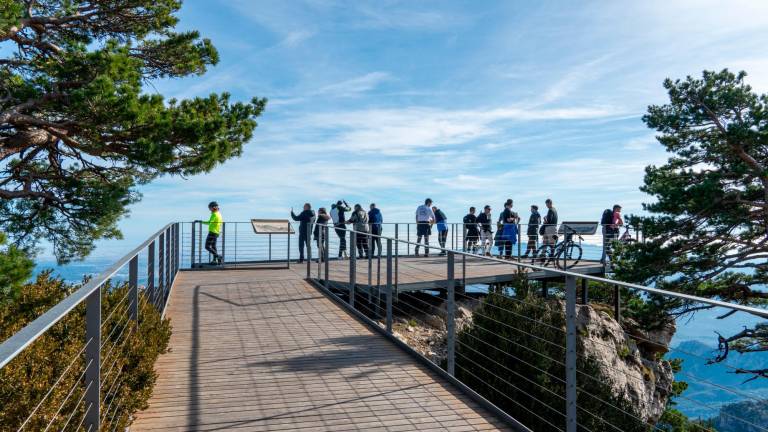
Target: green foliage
x: 77, y: 133
x: 128, y: 351
x: 706, y: 229
x: 523, y: 373
x: 15, y: 269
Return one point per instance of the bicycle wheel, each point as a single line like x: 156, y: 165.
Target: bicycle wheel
x: 569, y: 256
x: 543, y: 255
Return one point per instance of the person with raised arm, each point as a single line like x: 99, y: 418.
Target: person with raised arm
x: 305, y: 219
x: 338, y: 211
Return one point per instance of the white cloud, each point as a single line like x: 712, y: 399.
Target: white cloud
x: 295, y: 38
x: 355, y: 85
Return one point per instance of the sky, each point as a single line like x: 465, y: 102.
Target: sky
x: 468, y: 103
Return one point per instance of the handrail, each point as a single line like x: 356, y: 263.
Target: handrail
x: 748, y: 309
x: 13, y: 346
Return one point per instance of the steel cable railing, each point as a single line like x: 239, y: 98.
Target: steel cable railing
x: 91, y: 395
x: 382, y: 299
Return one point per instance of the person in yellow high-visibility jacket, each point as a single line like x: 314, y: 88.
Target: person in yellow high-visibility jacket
x: 214, y: 229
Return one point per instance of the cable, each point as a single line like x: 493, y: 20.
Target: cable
x: 717, y: 409
x: 510, y: 370
x: 105, y: 320
x: 510, y: 399
x: 74, y: 410
x: 90, y: 405
x: 58, y: 380
x: 69, y: 394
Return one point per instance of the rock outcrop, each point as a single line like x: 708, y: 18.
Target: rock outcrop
x: 629, y: 361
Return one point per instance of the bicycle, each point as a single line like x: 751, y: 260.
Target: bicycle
x: 565, y: 254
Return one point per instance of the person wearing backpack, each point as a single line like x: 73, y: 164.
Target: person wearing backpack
x: 486, y: 230
x: 359, y: 221
x: 375, y: 219
x: 337, y: 216
x: 471, y: 233
x: 610, y: 223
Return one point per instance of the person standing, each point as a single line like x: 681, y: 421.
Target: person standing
x: 549, y: 226
x: 320, y: 231
x: 338, y: 211
x: 425, y: 217
x: 471, y: 233
x: 305, y: 219
x: 375, y: 219
x: 612, y: 223
x: 533, y: 231
x: 508, y: 237
x: 215, y: 222
x: 359, y: 221
x: 442, y: 228
x: 486, y: 230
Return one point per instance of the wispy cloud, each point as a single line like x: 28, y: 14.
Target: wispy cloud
x: 355, y: 85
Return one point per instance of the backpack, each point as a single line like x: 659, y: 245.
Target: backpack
x: 607, y: 218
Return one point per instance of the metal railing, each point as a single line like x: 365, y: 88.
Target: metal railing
x: 367, y: 284
x: 99, y: 379
x: 241, y: 247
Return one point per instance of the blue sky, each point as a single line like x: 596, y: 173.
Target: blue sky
x: 465, y: 102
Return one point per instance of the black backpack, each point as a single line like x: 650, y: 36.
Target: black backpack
x: 607, y: 218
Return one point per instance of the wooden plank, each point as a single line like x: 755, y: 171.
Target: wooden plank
x: 264, y: 350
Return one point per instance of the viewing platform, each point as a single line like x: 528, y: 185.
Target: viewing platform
x: 266, y: 350
x: 261, y: 342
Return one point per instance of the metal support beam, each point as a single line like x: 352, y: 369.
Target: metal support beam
x: 150, y: 290
x: 288, y: 236
x: 168, y: 261
x: 92, y: 397
x: 160, y: 289
x: 192, y: 248
x: 544, y: 289
x: 617, y: 304
x: 389, y: 286
x: 327, y: 254
x: 352, y: 267
x: 570, y: 354
x: 309, y: 250
x: 450, y: 322
x: 223, y: 242
x: 584, y: 291
x: 133, y: 287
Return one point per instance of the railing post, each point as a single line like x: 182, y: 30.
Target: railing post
x: 178, y: 249
x: 93, y: 360
x: 352, y: 268
x: 389, y: 286
x: 223, y: 242
x: 269, y: 253
x: 450, y: 324
x: 192, y: 255
x: 327, y: 254
x: 160, y: 269
x: 617, y: 304
x: 150, y: 291
x: 199, y: 243
x: 570, y: 353
x: 584, y: 292
x: 289, y: 245
x: 397, y: 252
x: 544, y: 290
x: 408, y: 239
x: 168, y: 260
x: 133, y: 287
x: 308, y: 245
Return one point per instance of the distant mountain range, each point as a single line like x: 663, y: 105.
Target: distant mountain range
x: 710, y: 387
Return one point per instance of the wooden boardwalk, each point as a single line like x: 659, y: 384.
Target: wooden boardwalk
x: 264, y: 350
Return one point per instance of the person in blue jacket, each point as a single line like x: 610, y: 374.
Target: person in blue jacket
x: 441, y: 220
x: 375, y: 219
x: 305, y: 219
x: 509, y: 221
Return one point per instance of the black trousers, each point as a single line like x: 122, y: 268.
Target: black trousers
x: 342, y: 238
x: 375, y: 241
x: 210, y: 244
x: 362, y: 245
x: 303, y: 243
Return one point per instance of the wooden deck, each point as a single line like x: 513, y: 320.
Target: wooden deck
x: 264, y: 350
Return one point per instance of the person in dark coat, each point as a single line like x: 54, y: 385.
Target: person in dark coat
x: 375, y: 219
x: 305, y: 219
x: 533, y: 231
x: 338, y: 211
x: 321, y: 230
x: 471, y: 233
